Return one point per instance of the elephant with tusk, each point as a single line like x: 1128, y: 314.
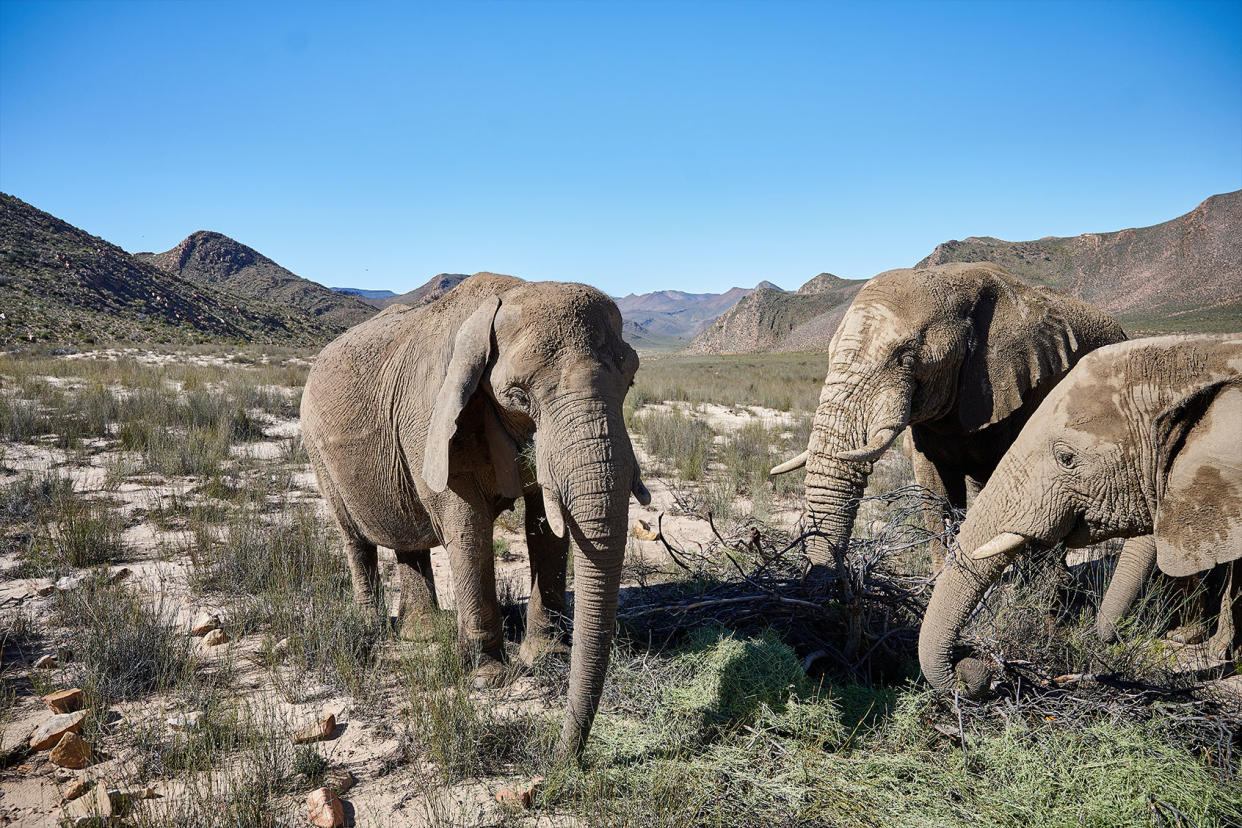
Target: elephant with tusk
x: 416, y: 422
x: 1143, y: 440
x: 961, y: 354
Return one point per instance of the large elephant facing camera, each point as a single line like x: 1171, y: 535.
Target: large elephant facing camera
x: 1142, y: 440
x: 417, y: 423
x: 961, y: 354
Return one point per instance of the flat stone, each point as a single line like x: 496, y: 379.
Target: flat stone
x: 73, y: 789
x: 508, y: 796
x: 322, y: 729
x: 72, y: 751
x: 94, y: 805
x: 42, y: 587
x: 340, y: 780
x: 48, y: 734
x: 215, y: 638
x: 47, y: 662
x: 70, y: 582
x: 205, y: 623
x: 64, y: 701
x: 325, y: 809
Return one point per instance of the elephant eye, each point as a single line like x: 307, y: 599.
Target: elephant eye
x: 1065, y: 456
x: 517, y: 397
x: 906, y: 360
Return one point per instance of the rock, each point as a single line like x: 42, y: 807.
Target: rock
x: 340, y: 780
x: 508, y: 796
x: 326, y: 809
x: 64, y: 701
x: 72, y: 751
x: 70, y: 582
x: 47, y: 662
x: 42, y: 587
x: 73, y: 789
x: 642, y: 530
x: 215, y: 638
x: 120, y: 574
x: 205, y: 623
x: 123, y: 800
x: 186, y: 721
x: 48, y: 734
x: 94, y: 805
x: 322, y: 729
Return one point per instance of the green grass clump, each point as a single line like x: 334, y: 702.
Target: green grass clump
x: 677, y: 440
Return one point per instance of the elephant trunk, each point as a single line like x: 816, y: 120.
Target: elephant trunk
x: 1133, y: 566
x: 593, y: 472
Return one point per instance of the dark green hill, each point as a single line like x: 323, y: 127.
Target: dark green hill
x: 60, y: 284
x: 215, y: 260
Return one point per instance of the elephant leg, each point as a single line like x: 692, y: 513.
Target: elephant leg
x: 546, y: 610
x: 466, y: 531
x: 1137, y: 558
x: 1224, y: 644
x: 949, y: 485
x: 364, y: 572
x: 418, y: 595
x: 1191, y: 609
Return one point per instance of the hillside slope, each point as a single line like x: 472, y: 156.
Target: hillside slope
x: 215, y: 260
x: 1182, y: 274
x: 771, y: 320
x: 424, y: 294
x: 673, y: 314
x: 60, y: 284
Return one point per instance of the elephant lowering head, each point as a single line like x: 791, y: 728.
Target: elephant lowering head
x: 961, y: 354
x: 416, y: 422
x: 1141, y: 439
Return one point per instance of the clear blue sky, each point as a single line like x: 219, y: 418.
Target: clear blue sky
x: 633, y: 145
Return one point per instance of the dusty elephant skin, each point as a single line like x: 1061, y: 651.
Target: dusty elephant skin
x: 1141, y: 441
x: 416, y: 422
x: 962, y: 354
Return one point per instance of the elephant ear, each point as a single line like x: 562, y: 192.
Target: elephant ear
x: 471, y: 350
x: 1022, y: 341
x: 1198, y: 515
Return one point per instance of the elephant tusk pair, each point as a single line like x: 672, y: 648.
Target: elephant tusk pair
x: 1006, y: 543
x: 554, y: 509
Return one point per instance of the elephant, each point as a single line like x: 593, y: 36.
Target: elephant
x: 961, y: 354
x: 419, y: 424
x: 1140, y: 441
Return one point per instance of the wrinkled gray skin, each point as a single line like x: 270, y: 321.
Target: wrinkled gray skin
x: 961, y: 354
x: 1141, y: 441
x: 413, y: 421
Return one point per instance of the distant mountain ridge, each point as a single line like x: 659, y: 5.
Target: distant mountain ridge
x: 424, y: 294
x: 667, y: 316
x: 60, y: 284
x: 215, y: 259
x: 1182, y: 274
x: 364, y: 294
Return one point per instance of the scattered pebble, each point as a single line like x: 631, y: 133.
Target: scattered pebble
x: 48, y: 734
x: 64, y: 701
x: 322, y: 729
x: 72, y: 751
x: 326, y: 809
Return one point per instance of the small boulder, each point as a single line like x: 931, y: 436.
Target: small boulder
x: 70, y: 582
x: 46, y: 735
x: 215, y: 638
x: 340, y: 780
x: 42, y: 587
x: 326, y: 809
x: 72, y: 751
x: 205, y: 623
x: 322, y: 729
x: 64, y: 701
x: 47, y: 662
x: 508, y: 796
x: 642, y: 531
x: 95, y: 805
x: 73, y: 789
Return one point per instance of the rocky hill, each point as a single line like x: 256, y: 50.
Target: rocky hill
x: 771, y: 320
x: 215, y: 260
x: 1183, y: 274
x: 365, y: 294
x: 60, y: 284
x: 672, y: 315
x: 424, y: 294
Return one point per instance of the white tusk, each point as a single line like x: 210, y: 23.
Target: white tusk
x: 790, y: 464
x: 1006, y: 543
x: 880, y: 440
x: 552, y: 510
x: 640, y: 491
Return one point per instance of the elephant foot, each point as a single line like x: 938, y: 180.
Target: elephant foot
x: 417, y: 627
x: 974, y: 678
x: 1193, y: 633
x: 537, y: 647
x: 489, y: 673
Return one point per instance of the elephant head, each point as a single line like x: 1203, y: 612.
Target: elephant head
x: 958, y: 346
x: 1141, y: 438
x: 546, y: 360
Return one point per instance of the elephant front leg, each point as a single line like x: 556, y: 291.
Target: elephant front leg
x: 467, y: 535
x: 364, y: 573
x: 546, y: 610
x: 948, y: 485
x: 415, y: 615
